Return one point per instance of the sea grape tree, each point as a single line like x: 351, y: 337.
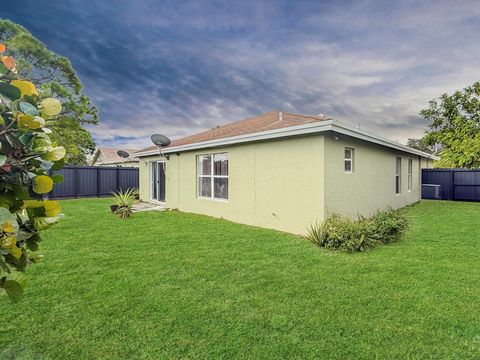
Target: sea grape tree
x: 27, y: 155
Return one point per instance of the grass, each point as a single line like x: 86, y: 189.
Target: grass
x: 176, y: 285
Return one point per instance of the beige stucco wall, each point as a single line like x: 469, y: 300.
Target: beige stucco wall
x: 371, y: 186
x: 275, y: 184
x: 291, y: 183
x: 426, y: 163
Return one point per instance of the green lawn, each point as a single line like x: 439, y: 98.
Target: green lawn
x: 176, y: 285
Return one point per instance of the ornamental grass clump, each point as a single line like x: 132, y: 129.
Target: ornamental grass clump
x: 340, y: 233
x: 27, y: 155
x: 125, y: 200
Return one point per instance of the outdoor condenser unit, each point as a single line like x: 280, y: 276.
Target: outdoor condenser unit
x: 431, y: 191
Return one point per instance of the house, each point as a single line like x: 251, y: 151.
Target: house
x: 283, y: 171
x: 105, y: 156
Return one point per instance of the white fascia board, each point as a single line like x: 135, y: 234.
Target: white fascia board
x: 355, y: 132
x: 262, y: 135
x: 317, y: 127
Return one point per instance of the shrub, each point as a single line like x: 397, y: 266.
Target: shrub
x: 125, y: 201
x: 344, y: 234
x: 388, y: 226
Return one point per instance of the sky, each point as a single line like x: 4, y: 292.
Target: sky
x: 181, y: 67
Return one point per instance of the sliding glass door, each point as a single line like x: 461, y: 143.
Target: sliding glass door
x: 157, y: 177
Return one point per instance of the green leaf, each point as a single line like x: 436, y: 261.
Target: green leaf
x: 5, y: 216
x: 27, y: 121
x: 26, y: 87
x: 3, y: 158
x: 14, y: 289
x: 22, y: 263
x: 7, y: 200
x: 30, y: 99
x: 24, y: 235
x: 45, y: 164
x: 57, y: 178
x: 25, y: 138
x: 3, y: 69
x: 21, y: 193
x: 42, y: 184
x: 57, y: 165
x: 36, y: 258
x: 4, y: 267
x: 32, y: 244
x: 28, y: 108
x: 15, y: 105
x: 9, y: 91
x: 50, y: 107
x: 14, y: 284
x: 55, y: 154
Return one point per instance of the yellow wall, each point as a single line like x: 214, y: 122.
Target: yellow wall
x: 289, y: 184
x: 275, y: 184
x: 371, y: 185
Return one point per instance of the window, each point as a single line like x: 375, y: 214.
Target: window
x: 212, y: 176
x: 398, y: 175
x: 348, y: 163
x: 410, y: 176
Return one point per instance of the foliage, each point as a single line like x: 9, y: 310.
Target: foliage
x: 341, y: 233
x: 54, y: 76
x: 419, y: 144
x: 70, y: 133
x: 387, y: 226
x: 455, y: 125
x: 125, y: 201
x: 26, y: 155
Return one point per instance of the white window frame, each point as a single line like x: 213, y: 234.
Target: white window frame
x: 398, y: 175
x: 350, y: 160
x: 410, y: 174
x: 212, y: 176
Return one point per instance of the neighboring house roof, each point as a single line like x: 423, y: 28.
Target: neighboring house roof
x: 110, y: 156
x: 272, y: 125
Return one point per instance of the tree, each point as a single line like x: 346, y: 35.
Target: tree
x: 54, y: 76
x: 455, y: 125
x: 419, y: 144
x: 27, y: 154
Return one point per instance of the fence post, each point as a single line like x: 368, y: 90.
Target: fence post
x: 452, y: 179
x: 75, y: 188
x: 118, y: 178
x: 98, y: 181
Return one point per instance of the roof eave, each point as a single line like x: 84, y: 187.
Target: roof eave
x: 239, y: 139
x: 349, y: 130
x: 311, y: 128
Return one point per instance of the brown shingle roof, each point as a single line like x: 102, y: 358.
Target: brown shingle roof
x: 264, y: 122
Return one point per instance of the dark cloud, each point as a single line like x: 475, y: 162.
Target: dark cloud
x: 180, y: 67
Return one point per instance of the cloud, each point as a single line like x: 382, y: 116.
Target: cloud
x: 183, y: 67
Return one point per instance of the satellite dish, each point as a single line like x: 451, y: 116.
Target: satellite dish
x: 160, y: 140
x: 123, y: 154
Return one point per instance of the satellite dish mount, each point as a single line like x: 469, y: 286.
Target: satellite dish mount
x: 161, y: 141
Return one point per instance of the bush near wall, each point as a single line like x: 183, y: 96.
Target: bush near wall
x: 340, y: 233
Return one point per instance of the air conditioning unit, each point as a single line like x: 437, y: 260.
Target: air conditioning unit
x: 431, y: 191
